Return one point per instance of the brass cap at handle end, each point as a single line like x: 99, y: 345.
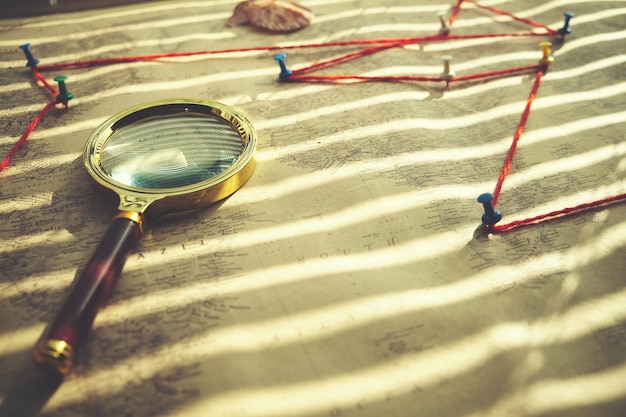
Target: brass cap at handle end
x: 54, y: 355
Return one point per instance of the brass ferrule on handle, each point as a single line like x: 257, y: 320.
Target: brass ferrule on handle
x: 134, y: 216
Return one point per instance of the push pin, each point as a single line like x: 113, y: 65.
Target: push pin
x: 447, y: 73
x: 284, y: 71
x: 64, y: 96
x: 547, y: 57
x: 32, y: 61
x: 491, y: 215
x: 445, y: 28
x: 565, y: 30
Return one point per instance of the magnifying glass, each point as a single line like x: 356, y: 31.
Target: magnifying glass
x: 159, y: 158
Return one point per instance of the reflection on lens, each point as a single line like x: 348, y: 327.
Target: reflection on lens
x: 171, y: 151
x: 167, y: 169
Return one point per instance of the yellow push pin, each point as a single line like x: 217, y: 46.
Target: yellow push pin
x: 547, y: 57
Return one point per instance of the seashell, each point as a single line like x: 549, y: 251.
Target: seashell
x: 273, y: 15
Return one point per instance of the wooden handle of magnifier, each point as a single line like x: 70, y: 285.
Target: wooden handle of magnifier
x: 58, y: 344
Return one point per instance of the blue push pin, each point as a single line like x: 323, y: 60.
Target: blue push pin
x: 491, y: 215
x: 284, y: 71
x: 64, y: 96
x: 32, y: 61
x: 565, y: 30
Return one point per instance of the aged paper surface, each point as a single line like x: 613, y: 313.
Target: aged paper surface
x: 346, y: 278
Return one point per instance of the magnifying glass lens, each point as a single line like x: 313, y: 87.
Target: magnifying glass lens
x: 170, y: 151
x: 159, y: 158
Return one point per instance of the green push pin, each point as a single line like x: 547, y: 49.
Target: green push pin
x: 64, y: 96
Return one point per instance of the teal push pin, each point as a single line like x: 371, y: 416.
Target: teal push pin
x: 64, y: 96
x: 491, y: 215
x: 32, y: 61
x: 284, y: 71
x: 565, y: 30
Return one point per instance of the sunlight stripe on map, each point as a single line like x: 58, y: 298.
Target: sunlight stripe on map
x: 599, y: 247
x: 455, y: 358
x: 577, y: 197
x: 608, y: 13
x: 26, y: 203
x: 369, y: 11
x: 434, y: 27
x: 169, y: 85
x: 592, y: 40
x: 29, y: 167
x: 388, y: 304
x: 411, y: 200
x: 345, y: 217
x: 57, y: 279
x: 569, y: 163
x: 419, y: 95
x: 396, y: 203
x: 429, y: 368
x: 380, y: 207
x: 98, y: 52
x: 435, y: 70
x: 593, y: 66
x: 552, y: 395
x: 69, y: 129
x: 392, y: 126
x: 438, y: 124
x: 107, y: 30
x: 22, y: 338
x: 551, y: 5
x: 256, y: 193
x: 57, y: 236
x: 158, y: 24
x: 103, y: 14
x: 452, y: 359
x: 93, y: 73
x: 387, y: 205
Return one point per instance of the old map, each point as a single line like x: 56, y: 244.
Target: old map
x: 349, y: 276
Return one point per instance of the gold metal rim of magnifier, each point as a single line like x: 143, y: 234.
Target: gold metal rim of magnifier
x: 162, y: 201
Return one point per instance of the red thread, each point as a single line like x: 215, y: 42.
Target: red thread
x: 404, y: 78
x: 509, y: 71
x: 45, y: 83
x: 517, y: 18
x: 345, y: 58
x: 372, y: 46
x: 518, y: 134
x: 455, y: 12
x: 384, y: 41
x: 29, y: 130
x: 360, y: 78
x: 559, y: 213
